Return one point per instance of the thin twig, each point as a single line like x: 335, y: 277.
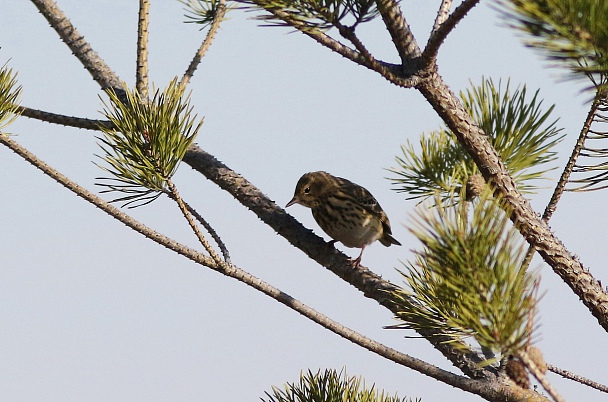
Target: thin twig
x: 577, y: 378
x: 200, y: 53
x: 141, y: 73
x: 349, y: 33
x: 218, y: 240
x: 565, y: 177
x: 54, y: 118
x: 539, y: 375
x: 440, y: 32
x: 175, y: 196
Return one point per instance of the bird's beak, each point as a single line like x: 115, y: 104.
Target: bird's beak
x: 294, y: 200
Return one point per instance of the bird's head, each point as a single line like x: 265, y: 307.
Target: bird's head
x: 310, y: 187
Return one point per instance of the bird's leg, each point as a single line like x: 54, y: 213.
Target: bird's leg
x: 357, y: 262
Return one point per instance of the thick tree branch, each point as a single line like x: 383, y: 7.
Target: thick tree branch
x: 532, y: 227
x: 372, y: 285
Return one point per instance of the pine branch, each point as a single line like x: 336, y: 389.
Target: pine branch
x: 220, y: 243
x: 442, y: 14
x: 189, y: 218
x: 540, y: 376
x: 70, y: 121
x: 578, y: 378
x: 141, y: 75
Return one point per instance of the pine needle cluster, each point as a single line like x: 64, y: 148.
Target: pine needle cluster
x: 146, y: 142
x: 9, y: 96
x: 329, y: 386
x: 314, y: 14
x: 201, y: 12
x: 467, y: 280
x: 517, y: 126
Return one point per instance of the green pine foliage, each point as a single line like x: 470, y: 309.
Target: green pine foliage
x: 146, y: 142
x: 201, y: 12
x: 315, y: 14
x: 9, y: 96
x: 329, y: 386
x: 467, y: 280
x: 517, y: 126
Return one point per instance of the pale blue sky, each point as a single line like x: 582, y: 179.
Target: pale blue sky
x: 91, y: 311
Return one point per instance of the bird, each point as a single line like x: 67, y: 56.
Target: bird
x: 346, y: 211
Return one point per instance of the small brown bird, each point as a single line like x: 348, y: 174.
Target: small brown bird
x: 347, y: 212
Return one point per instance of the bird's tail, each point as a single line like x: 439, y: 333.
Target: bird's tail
x: 387, y: 239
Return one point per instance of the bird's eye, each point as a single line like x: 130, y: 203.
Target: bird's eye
x: 307, y: 190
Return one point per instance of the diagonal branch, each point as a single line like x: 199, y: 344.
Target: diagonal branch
x: 580, y: 142
x: 370, y: 284
x: 540, y: 376
x: 182, y: 206
x: 105, y: 206
x: 220, y: 243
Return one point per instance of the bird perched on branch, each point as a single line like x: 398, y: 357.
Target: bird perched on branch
x: 347, y: 212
